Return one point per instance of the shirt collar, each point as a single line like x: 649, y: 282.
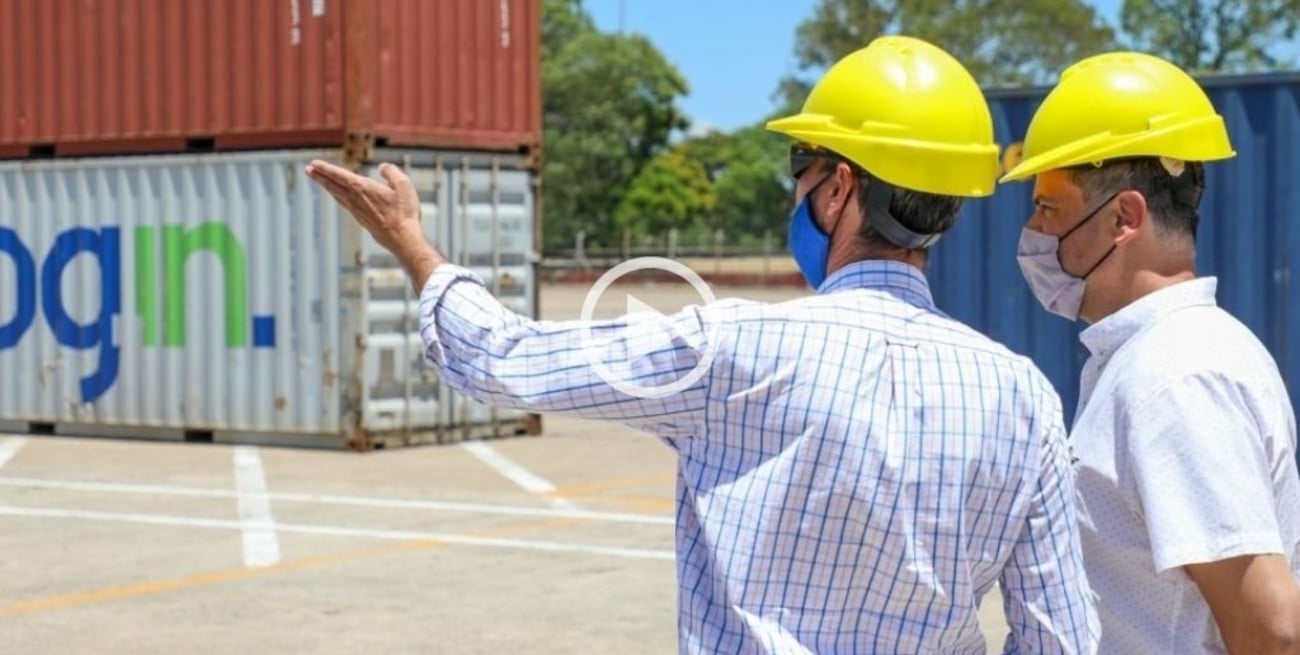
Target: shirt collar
x: 905, y: 281
x: 1108, y: 334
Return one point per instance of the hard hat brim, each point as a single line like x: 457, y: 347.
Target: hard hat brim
x: 1199, y: 139
x: 900, y: 161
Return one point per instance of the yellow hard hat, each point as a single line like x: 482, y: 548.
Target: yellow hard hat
x: 908, y: 113
x: 1122, y: 104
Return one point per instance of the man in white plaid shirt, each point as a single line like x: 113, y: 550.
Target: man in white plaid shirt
x: 856, y: 469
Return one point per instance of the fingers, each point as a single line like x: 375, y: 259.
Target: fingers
x: 327, y: 177
x: 359, y: 185
x: 353, y: 191
x: 323, y: 170
x: 394, y: 175
x: 400, y: 183
x: 341, y: 194
x: 319, y: 170
x: 339, y: 180
x: 379, y: 208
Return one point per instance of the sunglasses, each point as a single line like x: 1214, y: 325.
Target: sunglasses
x: 803, y: 156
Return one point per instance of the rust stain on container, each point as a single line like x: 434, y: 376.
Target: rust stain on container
x: 329, y: 375
x: 92, y: 77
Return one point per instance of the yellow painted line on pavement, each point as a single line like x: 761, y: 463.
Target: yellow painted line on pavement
x: 589, y: 488
x: 635, y: 504
x: 231, y: 575
x: 591, y: 492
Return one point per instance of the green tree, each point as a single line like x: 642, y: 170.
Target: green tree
x: 608, y: 108
x: 1002, y: 42
x: 672, y: 191
x: 1211, y: 35
x: 748, y: 168
x: 562, y: 21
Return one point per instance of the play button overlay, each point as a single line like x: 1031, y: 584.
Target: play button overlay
x: 637, y: 306
x: 649, y: 331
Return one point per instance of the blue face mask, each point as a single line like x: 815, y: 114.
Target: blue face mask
x: 809, y: 245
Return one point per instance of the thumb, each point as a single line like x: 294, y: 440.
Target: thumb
x: 396, y: 178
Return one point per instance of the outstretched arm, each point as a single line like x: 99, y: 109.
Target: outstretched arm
x: 643, y: 369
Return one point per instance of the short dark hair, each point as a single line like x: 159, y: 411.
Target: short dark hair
x: 1171, y: 199
x: 918, y: 211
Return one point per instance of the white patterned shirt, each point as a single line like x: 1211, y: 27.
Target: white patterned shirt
x: 1186, y: 443
x: 856, y: 470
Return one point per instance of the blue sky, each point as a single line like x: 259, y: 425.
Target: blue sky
x: 732, y: 52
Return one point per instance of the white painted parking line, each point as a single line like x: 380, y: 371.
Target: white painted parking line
x: 10, y: 447
x: 527, y: 480
x: 326, y: 499
x: 339, y: 531
x: 261, y: 546
x: 508, y: 469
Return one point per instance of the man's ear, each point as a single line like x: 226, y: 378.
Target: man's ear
x: 844, y: 183
x: 1130, y: 216
x: 837, y: 198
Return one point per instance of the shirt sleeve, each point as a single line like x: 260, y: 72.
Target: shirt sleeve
x: 1200, y: 474
x: 640, y: 369
x: 1049, y: 604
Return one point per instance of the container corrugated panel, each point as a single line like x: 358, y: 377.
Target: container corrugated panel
x: 84, y: 77
x: 493, y: 233
x: 469, y: 69
x: 226, y: 294
x: 1249, y: 236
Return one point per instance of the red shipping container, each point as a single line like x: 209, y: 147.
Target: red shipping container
x: 81, y: 77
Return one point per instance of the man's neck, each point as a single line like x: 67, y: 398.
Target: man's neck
x: 837, y: 261
x: 1139, y: 285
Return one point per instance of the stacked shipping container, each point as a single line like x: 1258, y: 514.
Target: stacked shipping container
x: 84, y: 77
x: 167, y: 270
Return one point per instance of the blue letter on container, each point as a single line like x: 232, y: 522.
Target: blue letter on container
x: 105, y: 245
x: 25, y: 312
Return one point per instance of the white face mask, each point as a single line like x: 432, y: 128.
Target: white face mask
x: 1059, y: 292
x: 1040, y: 262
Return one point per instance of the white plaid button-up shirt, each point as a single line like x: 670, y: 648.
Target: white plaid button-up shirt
x: 856, y: 469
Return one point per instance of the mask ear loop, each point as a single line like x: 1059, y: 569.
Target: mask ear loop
x: 1087, y: 218
x: 1098, y: 264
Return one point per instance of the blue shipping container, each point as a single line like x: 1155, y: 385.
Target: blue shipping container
x: 1249, y: 236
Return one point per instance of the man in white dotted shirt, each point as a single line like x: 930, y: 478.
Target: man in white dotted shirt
x: 1185, y: 436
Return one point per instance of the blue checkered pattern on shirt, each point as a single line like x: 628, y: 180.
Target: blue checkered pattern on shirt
x: 856, y: 468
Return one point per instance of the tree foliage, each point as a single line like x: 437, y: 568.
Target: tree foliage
x: 608, y: 108
x: 1211, y: 35
x: 748, y: 170
x: 672, y: 191
x: 1002, y: 42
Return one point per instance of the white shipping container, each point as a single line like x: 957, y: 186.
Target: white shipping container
x: 225, y: 297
